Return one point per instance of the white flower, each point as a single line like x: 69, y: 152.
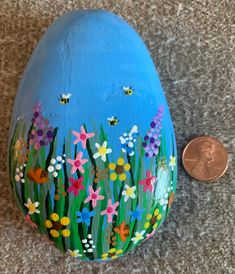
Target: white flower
x: 134, y: 129
x: 129, y: 192
x: 74, y: 253
x: 53, y: 161
x: 138, y: 237
x: 122, y: 140
x: 32, y: 207
x: 172, y: 162
x: 102, y: 151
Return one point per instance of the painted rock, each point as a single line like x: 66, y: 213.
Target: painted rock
x: 92, y: 154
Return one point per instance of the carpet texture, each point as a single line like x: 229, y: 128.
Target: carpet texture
x: 192, y: 45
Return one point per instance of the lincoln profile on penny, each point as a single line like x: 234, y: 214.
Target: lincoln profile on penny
x: 206, y: 154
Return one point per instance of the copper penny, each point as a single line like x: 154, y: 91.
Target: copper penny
x: 205, y: 158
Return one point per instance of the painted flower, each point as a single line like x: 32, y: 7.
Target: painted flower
x: 21, y: 151
x: 148, y: 181
x: 19, y: 175
x: 78, y: 163
x: 150, y: 235
x: 88, y: 244
x: 123, y: 230
x: 74, y: 253
x: 172, y: 162
x: 42, y: 133
x: 94, y: 196
x: 56, y: 165
x: 128, y: 140
x: 28, y: 219
x: 113, y: 253
x: 38, y: 175
x: 152, y: 219
x: 76, y: 185
x: 84, y: 216
x: 57, y: 225
x: 32, y: 207
x: 102, y: 151
x: 110, y: 210
x: 82, y: 137
x: 152, y: 139
x: 138, y: 236
x: 119, y: 169
x: 129, y: 192
x: 136, y: 213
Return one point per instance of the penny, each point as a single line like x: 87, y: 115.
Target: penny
x: 205, y: 158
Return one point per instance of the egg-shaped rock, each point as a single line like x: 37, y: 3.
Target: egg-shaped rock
x: 92, y: 154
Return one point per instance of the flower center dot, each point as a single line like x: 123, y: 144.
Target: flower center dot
x: 77, y: 163
x: 94, y: 196
x: 119, y: 169
x: 83, y: 136
x: 109, y: 210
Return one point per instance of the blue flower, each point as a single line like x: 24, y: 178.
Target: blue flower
x: 85, y: 216
x: 136, y: 214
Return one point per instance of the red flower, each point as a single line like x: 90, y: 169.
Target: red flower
x: 148, y: 181
x: 76, y: 185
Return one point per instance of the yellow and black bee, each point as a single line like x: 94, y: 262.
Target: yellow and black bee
x: 113, y: 121
x: 128, y: 91
x: 64, y: 98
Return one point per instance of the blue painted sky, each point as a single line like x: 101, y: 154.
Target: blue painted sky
x: 92, y: 55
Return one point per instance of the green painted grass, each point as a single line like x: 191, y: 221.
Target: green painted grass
x: 104, y: 236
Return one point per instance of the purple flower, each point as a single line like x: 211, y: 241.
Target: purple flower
x: 152, y: 139
x: 42, y: 133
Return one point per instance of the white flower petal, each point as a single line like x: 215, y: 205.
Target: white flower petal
x: 96, y: 155
x: 109, y: 150
x: 97, y: 145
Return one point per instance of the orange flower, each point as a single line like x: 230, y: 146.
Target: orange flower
x: 123, y: 230
x: 171, y: 199
x: 38, y: 175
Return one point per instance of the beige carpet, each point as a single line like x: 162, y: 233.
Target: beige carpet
x: 191, y: 43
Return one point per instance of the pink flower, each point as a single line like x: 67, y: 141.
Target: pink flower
x: 148, y: 182
x: 28, y: 219
x: 82, y: 137
x: 149, y: 235
x: 77, y: 163
x: 76, y: 185
x: 110, y: 210
x: 94, y: 196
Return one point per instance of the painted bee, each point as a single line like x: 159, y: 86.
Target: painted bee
x: 64, y: 98
x: 128, y: 91
x: 113, y: 121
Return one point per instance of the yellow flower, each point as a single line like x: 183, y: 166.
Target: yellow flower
x: 58, y: 225
x: 113, y: 253
x: 119, y: 169
x: 32, y: 207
